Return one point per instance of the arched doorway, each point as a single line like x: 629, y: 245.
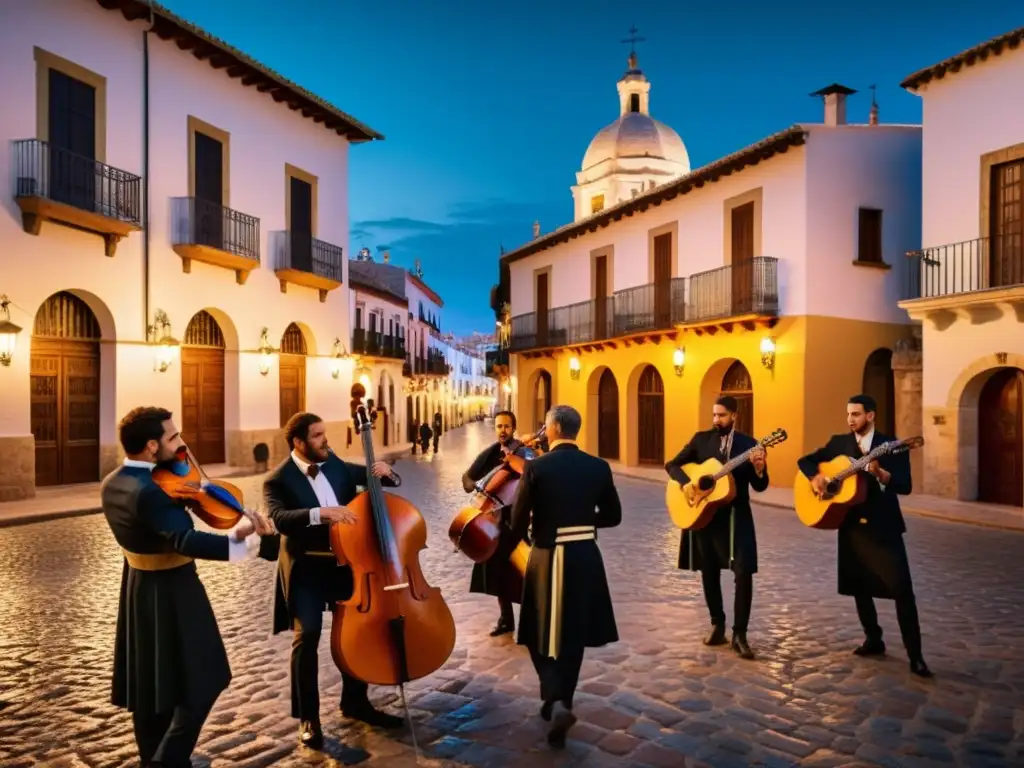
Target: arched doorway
x: 608, y: 416
x: 736, y: 382
x: 391, y: 407
x: 1001, y: 438
x: 65, y: 391
x: 202, y: 388
x: 409, y: 436
x: 541, y: 400
x: 292, y: 384
x: 651, y: 417
x: 878, y: 382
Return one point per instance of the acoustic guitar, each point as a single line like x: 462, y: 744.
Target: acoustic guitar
x: 711, y: 486
x: 847, y: 485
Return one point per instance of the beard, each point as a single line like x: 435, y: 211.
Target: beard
x: 724, y: 430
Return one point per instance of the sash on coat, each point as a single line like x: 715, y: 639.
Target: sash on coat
x: 563, y: 536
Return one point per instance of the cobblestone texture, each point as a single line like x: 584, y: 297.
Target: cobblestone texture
x: 657, y: 698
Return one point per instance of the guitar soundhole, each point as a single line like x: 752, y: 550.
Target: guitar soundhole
x: 706, y: 483
x: 832, y: 488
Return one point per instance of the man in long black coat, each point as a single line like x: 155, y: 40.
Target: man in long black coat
x: 169, y: 660
x: 566, y: 495
x: 872, y: 558
x: 729, y: 541
x: 304, y: 495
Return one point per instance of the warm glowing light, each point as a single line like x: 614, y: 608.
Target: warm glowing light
x: 767, y: 345
x: 365, y: 381
x: 265, y: 351
x: 8, y: 333
x: 507, y: 387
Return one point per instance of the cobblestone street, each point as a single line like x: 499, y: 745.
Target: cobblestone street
x: 657, y: 698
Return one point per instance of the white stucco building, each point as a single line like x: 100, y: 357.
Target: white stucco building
x: 968, y: 281
x: 176, y: 220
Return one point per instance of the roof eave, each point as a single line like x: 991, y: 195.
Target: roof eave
x: 979, y: 53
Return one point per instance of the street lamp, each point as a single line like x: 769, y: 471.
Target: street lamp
x: 265, y: 351
x: 8, y: 332
x: 164, y: 344
x: 768, y: 352
x: 338, y: 358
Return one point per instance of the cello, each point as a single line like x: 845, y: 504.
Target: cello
x: 395, y: 627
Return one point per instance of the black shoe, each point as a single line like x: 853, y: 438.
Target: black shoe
x: 919, y: 668
x: 366, y: 712
x: 545, y: 710
x: 562, y: 719
x: 870, y: 647
x: 716, y: 636
x: 310, y: 735
x: 739, y: 644
x: 503, y: 627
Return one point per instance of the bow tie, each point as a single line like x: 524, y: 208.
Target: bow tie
x: 313, y: 471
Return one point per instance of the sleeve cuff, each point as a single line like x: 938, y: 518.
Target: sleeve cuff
x: 246, y: 549
x: 314, y: 516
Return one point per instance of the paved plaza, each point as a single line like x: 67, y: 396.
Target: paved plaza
x: 657, y: 698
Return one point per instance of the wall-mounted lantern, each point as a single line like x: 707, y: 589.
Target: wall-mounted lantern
x: 363, y: 377
x: 768, y: 352
x: 574, y: 368
x: 507, y: 387
x: 339, y: 355
x: 165, y: 346
x: 265, y: 351
x: 679, y: 360
x: 8, y: 332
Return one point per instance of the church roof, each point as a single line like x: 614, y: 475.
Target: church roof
x: 994, y: 47
x: 635, y: 135
x: 775, y: 144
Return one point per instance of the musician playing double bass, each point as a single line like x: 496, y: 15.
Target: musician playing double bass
x: 567, y: 495
x: 493, y: 576
x: 872, y: 558
x: 304, y: 496
x: 729, y: 541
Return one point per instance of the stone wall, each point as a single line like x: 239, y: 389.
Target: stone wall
x: 908, y: 380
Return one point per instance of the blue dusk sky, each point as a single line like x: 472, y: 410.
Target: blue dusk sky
x: 488, y: 107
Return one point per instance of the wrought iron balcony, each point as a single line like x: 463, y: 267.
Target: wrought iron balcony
x: 495, y: 360
x: 749, y: 288
x: 377, y: 344
x: 205, y: 231
x: 651, y: 307
x: 972, y: 265
x: 54, y: 184
x: 301, y: 259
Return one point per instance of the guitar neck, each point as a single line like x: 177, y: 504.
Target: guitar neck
x: 860, y: 463
x: 733, y: 463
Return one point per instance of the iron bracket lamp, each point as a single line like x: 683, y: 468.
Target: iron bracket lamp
x: 768, y: 352
x: 8, y: 332
x: 163, y: 342
x: 265, y: 351
x: 679, y: 360
x: 574, y: 368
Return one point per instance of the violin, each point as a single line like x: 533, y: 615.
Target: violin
x: 395, y: 627
x: 215, y: 502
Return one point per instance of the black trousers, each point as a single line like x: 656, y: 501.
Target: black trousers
x: 711, y: 580
x: 308, y: 601
x: 507, y: 615
x: 906, y: 615
x: 169, y: 737
x: 558, y: 677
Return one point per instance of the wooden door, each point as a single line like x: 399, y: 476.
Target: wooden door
x: 202, y: 389
x: 65, y: 392
x: 209, y: 191
x: 737, y: 383
x: 600, y: 329
x: 1006, y: 252
x: 301, y: 226
x: 608, y: 416
x: 1001, y: 439
x: 72, y: 138
x: 542, y: 399
x: 292, y: 382
x: 543, y: 300
x: 879, y: 383
x: 651, y: 417
x: 742, y: 259
x: 663, y: 281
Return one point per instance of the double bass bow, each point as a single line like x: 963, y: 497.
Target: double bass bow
x: 396, y: 627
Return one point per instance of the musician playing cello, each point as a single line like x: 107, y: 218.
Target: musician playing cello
x: 872, y: 559
x: 492, y: 577
x: 567, y: 607
x: 729, y: 541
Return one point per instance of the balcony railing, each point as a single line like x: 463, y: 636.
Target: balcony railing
x: 377, y: 344
x: 55, y: 184
x: 971, y: 265
x: 747, y: 288
x: 651, y: 307
x: 493, y: 359
x: 301, y: 259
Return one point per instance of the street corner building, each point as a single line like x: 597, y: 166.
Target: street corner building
x: 772, y: 275
x: 178, y: 217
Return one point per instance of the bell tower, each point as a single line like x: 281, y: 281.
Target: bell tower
x: 634, y: 87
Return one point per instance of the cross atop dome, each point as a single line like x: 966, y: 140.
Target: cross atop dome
x: 633, y: 40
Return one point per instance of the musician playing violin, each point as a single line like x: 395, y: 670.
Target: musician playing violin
x: 729, y: 541
x: 493, y: 576
x: 872, y: 558
x: 305, y: 494
x: 169, y: 660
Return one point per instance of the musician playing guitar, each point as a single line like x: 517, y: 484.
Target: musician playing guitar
x: 872, y: 560
x: 491, y: 577
x: 729, y: 540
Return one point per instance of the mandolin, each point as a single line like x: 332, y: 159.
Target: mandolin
x: 847, y: 485
x: 711, y: 486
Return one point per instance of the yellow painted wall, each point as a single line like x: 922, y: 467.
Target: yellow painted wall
x: 819, y: 363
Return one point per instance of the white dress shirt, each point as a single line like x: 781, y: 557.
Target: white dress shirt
x: 864, y: 441
x: 321, y: 487
x: 246, y: 549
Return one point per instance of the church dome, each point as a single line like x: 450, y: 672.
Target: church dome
x: 635, y: 134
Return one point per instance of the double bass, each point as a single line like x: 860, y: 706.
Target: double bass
x: 396, y: 627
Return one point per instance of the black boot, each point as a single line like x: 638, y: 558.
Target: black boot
x: 919, y: 668
x: 870, y: 647
x: 739, y: 644
x: 310, y: 734
x: 716, y: 636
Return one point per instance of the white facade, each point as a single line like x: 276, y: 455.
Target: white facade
x: 263, y: 137
x: 474, y: 393
x: 378, y: 342
x: 970, y: 289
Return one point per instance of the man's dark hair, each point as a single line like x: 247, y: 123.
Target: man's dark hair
x: 728, y: 402
x: 506, y: 413
x: 139, y: 426
x: 568, y: 420
x: 298, y: 427
x: 870, y: 406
